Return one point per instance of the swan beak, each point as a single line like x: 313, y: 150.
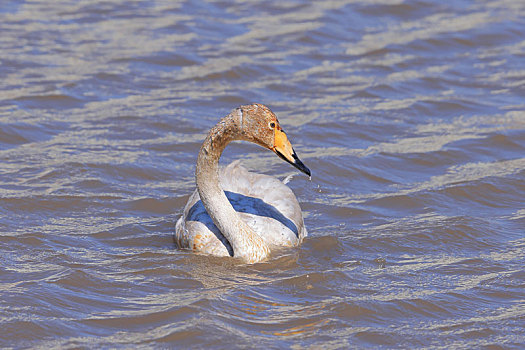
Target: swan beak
x: 283, y: 148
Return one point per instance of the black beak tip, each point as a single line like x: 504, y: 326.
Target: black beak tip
x: 296, y: 162
x: 300, y: 165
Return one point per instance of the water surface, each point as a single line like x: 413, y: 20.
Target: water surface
x: 410, y: 115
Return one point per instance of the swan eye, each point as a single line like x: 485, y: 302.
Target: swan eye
x: 272, y: 125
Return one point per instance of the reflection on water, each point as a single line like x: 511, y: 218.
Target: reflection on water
x: 410, y: 115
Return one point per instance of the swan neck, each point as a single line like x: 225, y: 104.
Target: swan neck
x: 245, y: 243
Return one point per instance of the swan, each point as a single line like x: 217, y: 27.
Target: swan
x: 234, y: 212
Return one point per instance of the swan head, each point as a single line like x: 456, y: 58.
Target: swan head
x: 260, y: 125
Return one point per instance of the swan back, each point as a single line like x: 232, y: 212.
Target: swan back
x: 266, y: 204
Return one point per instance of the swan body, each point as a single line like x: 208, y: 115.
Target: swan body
x: 234, y: 212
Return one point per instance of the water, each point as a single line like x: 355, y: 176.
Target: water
x: 410, y: 115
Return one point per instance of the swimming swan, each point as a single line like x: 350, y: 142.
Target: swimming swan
x: 234, y: 212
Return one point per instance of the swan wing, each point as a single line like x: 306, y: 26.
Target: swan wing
x: 195, y: 230
x: 267, y: 205
x: 268, y: 201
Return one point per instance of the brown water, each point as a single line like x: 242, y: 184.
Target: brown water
x: 410, y: 114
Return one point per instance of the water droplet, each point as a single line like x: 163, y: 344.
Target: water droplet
x: 381, y: 262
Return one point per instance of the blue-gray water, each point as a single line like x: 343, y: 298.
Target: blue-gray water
x: 410, y: 114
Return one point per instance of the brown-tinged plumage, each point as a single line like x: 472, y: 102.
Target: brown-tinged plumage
x: 238, y: 213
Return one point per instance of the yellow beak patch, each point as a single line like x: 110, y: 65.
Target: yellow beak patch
x: 282, y: 145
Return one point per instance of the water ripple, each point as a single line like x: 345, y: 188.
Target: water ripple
x: 410, y: 115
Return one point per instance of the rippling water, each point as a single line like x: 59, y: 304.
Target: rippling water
x: 410, y: 114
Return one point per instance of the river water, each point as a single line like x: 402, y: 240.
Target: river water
x: 410, y: 114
